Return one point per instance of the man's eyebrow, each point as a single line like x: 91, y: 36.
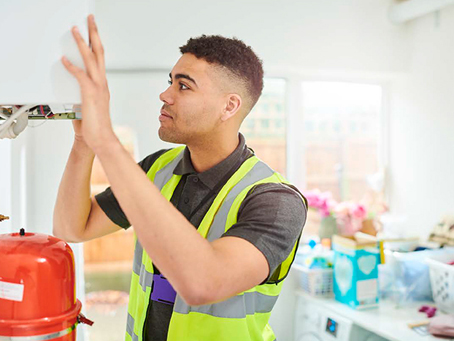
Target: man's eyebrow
x: 181, y: 75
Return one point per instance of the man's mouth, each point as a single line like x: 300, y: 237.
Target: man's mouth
x: 164, y: 115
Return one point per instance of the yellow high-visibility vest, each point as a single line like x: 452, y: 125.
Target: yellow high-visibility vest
x: 243, y: 317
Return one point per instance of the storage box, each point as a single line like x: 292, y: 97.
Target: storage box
x: 356, y: 262
x: 442, y: 280
x: 407, y: 277
x: 316, y: 282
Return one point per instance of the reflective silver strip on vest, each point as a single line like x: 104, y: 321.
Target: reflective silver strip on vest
x: 130, y: 328
x: 259, y: 172
x: 235, y: 307
x: 138, y: 251
x: 145, y: 277
x: 50, y: 336
x: 163, y: 175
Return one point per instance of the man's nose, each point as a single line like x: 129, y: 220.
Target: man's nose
x: 167, y: 96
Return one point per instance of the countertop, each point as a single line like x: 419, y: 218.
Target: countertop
x: 388, y: 320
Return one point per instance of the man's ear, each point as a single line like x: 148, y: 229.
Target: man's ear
x: 232, y: 106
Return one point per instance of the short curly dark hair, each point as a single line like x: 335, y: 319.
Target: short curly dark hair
x: 234, y: 55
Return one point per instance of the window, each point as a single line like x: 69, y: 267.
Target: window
x: 338, y: 159
x: 336, y: 142
x: 342, y: 129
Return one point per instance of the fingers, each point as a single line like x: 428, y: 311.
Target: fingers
x: 96, y: 44
x: 87, y: 55
x: 77, y: 72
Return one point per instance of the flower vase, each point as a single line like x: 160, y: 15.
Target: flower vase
x: 327, y: 228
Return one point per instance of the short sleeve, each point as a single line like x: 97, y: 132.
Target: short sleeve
x: 271, y: 217
x: 109, y: 204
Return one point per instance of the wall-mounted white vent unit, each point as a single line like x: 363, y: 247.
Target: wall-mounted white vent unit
x: 34, y: 84
x: 403, y: 11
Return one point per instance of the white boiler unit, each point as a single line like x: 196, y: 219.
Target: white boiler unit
x: 34, y: 84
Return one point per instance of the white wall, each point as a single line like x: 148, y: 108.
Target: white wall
x: 322, y: 34
x: 5, y: 185
x: 422, y: 126
x: 14, y: 175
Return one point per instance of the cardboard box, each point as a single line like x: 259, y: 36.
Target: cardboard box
x: 356, y: 262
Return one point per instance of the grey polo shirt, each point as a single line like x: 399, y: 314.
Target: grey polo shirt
x: 271, y: 217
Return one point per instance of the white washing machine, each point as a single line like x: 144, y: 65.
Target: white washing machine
x: 314, y: 323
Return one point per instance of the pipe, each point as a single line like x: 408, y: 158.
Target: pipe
x: 402, y: 12
x: 21, y: 124
x: 7, y: 128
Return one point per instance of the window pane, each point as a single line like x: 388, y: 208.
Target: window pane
x: 342, y: 129
x: 264, y: 128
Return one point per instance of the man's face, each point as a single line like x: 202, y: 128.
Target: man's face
x: 193, y: 102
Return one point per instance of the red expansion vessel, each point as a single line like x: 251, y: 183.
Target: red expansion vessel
x: 37, y: 288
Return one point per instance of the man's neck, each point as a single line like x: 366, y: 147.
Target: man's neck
x: 210, y: 153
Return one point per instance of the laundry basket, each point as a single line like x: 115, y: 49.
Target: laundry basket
x: 316, y: 282
x: 442, y: 281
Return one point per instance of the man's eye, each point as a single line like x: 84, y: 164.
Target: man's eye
x: 183, y: 86
x: 170, y: 82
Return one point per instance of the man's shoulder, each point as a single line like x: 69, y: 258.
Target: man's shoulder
x: 148, y: 161
x: 278, y: 192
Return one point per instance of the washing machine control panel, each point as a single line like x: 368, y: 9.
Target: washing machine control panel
x: 314, y: 322
x: 335, y: 327
x: 331, y: 327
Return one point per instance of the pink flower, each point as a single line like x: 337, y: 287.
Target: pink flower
x: 349, y: 217
x: 342, y: 209
x: 313, y: 198
x: 358, y: 211
x: 322, y: 201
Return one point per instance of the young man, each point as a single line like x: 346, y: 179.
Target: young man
x: 216, y: 228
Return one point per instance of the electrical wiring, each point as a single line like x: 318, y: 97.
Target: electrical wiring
x: 50, y: 114
x: 37, y: 125
x: 5, y: 112
x: 17, y: 118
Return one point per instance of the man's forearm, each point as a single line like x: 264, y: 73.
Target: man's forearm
x: 167, y: 236
x: 73, y: 201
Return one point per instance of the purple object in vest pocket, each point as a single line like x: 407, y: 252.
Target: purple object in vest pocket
x: 162, y: 290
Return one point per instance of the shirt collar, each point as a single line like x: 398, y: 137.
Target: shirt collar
x: 213, y: 175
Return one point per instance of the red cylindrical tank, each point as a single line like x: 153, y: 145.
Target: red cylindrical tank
x: 37, y: 288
